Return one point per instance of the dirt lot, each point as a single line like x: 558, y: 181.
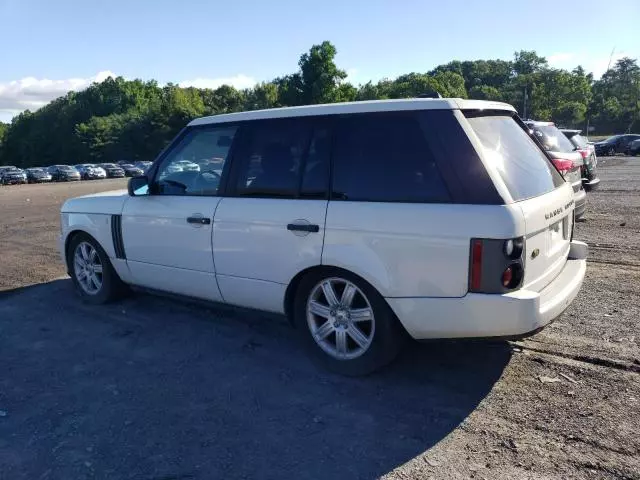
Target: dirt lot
x: 153, y: 388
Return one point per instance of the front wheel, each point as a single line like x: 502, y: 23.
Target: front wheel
x: 345, y: 323
x: 93, y: 275
x: 612, y: 151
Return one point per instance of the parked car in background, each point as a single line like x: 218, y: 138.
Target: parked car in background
x: 143, y: 165
x: 590, y: 180
x: 634, y: 147
x: 112, y: 170
x: 38, y: 175
x: 10, y: 175
x: 131, y: 170
x: 63, y: 173
x: 565, y: 158
x: 354, y: 219
x: 89, y: 171
x: 616, y: 144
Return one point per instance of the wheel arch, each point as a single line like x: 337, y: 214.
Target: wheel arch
x: 292, y: 288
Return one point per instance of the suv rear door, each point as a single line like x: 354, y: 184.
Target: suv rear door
x: 270, y: 226
x: 536, y: 187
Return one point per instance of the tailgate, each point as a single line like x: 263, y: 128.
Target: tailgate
x: 549, y: 224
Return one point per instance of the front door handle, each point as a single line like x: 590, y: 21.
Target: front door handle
x: 199, y: 220
x: 303, y: 227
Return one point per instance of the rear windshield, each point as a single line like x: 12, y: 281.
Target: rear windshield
x: 579, y: 141
x: 524, y: 168
x: 552, y: 139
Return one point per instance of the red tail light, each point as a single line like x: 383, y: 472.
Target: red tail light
x: 476, y: 265
x: 563, y: 165
x: 584, y: 152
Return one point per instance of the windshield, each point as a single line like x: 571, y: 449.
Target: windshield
x: 612, y: 139
x: 552, y: 139
x: 65, y: 167
x: 36, y: 170
x: 579, y: 141
x: 108, y: 165
x: 524, y: 168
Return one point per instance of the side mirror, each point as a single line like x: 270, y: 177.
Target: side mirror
x: 138, y: 186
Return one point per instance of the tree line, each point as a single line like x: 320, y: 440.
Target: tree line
x: 134, y: 119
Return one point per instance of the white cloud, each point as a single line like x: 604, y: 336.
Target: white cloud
x: 239, y: 81
x: 32, y: 93
x: 594, y: 64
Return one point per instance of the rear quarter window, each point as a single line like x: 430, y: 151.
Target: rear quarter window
x: 506, y: 146
x: 384, y: 157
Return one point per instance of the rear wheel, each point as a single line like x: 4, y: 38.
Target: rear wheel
x: 345, y: 323
x: 93, y: 275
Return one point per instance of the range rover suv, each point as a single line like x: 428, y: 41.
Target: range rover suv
x: 361, y: 222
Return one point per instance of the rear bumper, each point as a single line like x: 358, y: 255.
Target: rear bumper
x: 482, y: 315
x: 590, y: 185
x: 580, y: 199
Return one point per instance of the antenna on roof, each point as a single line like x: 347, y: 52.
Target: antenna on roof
x: 433, y: 94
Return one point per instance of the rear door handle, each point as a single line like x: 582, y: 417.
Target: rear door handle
x: 303, y: 227
x: 199, y: 220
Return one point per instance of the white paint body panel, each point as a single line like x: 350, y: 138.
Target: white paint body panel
x: 252, y: 247
x: 107, y: 203
x: 99, y: 227
x: 479, y: 315
x: 413, y: 250
x: 164, y: 251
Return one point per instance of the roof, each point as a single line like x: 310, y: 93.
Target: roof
x: 538, y: 123
x: 570, y: 130
x: 356, y: 107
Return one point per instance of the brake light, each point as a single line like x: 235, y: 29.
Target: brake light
x: 496, y: 266
x: 476, y: 265
x: 584, y: 153
x: 563, y: 165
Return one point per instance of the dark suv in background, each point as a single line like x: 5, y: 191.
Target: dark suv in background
x: 616, y: 144
x: 590, y: 180
x: 63, y: 173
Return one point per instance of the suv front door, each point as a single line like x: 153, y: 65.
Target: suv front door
x: 167, y: 232
x: 270, y: 226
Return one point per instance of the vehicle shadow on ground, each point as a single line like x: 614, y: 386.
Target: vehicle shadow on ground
x: 151, y: 388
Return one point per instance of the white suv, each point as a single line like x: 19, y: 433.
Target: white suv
x: 360, y: 221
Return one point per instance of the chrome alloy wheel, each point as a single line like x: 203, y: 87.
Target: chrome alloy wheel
x: 87, y: 268
x: 340, y: 318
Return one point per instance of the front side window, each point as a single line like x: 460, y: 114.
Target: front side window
x: 194, y: 166
x: 384, y: 158
x: 283, y: 159
x: 524, y: 168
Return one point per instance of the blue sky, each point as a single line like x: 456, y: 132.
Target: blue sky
x: 51, y: 46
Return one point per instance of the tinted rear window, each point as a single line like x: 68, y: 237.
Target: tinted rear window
x: 524, y: 168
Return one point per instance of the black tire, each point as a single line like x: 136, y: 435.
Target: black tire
x: 112, y: 287
x: 388, y: 337
x: 612, y: 151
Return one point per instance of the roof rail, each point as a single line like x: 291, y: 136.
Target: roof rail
x: 433, y: 94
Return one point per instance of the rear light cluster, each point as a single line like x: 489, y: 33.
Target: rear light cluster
x: 563, y: 165
x: 584, y: 152
x: 496, y: 266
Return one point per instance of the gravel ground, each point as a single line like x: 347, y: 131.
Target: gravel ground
x: 154, y: 388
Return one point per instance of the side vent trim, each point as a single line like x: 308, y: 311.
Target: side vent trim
x: 116, y: 236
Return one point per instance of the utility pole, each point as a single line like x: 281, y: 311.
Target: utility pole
x: 524, y: 106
